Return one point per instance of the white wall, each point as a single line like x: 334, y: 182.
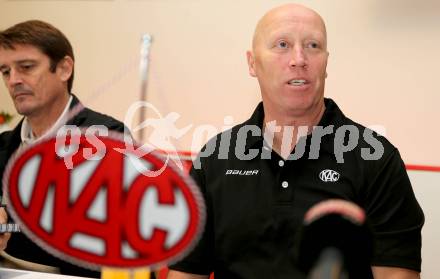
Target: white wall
x: 426, y: 187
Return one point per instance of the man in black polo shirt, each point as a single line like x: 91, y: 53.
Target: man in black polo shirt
x: 297, y: 149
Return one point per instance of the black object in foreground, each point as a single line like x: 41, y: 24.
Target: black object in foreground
x: 335, y: 246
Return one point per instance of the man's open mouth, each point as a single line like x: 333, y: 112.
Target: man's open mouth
x: 298, y: 82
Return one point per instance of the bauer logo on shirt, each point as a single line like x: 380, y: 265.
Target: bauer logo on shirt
x: 241, y: 172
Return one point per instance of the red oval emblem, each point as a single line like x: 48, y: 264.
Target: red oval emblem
x: 102, y: 211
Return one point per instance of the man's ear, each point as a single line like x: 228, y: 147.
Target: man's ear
x: 326, y: 62
x: 65, y: 68
x: 251, y: 63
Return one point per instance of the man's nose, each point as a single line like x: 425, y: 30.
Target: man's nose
x: 298, y: 58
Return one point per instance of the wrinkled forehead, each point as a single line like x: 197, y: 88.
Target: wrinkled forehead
x: 296, y: 22
x: 20, y: 52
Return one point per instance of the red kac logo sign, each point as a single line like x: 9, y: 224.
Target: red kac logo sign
x: 103, y: 211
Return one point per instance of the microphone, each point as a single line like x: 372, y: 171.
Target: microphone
x: 335, y: 242
x: 9, y: 228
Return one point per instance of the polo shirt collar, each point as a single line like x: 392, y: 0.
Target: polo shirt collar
x: 332, y: 116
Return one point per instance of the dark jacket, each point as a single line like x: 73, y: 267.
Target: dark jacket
x: 19, y: 245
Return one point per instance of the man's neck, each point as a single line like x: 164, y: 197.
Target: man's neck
x: 42, y: 121
x: 286, y: 129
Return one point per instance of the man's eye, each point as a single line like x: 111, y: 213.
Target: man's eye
x: 5, y: 73
x: 27, y: 66
x: 312, y: 45
x: 282, y: 44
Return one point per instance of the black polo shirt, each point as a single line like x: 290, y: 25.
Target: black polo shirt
x: 256, y: 205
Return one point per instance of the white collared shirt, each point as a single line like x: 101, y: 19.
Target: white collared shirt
x: 28, y: 137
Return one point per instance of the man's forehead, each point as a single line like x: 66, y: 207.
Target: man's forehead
x: 20, y: 52
x: 293, y: 24
x: 290, y: 15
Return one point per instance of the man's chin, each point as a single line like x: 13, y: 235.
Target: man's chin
x: 24, y: 110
